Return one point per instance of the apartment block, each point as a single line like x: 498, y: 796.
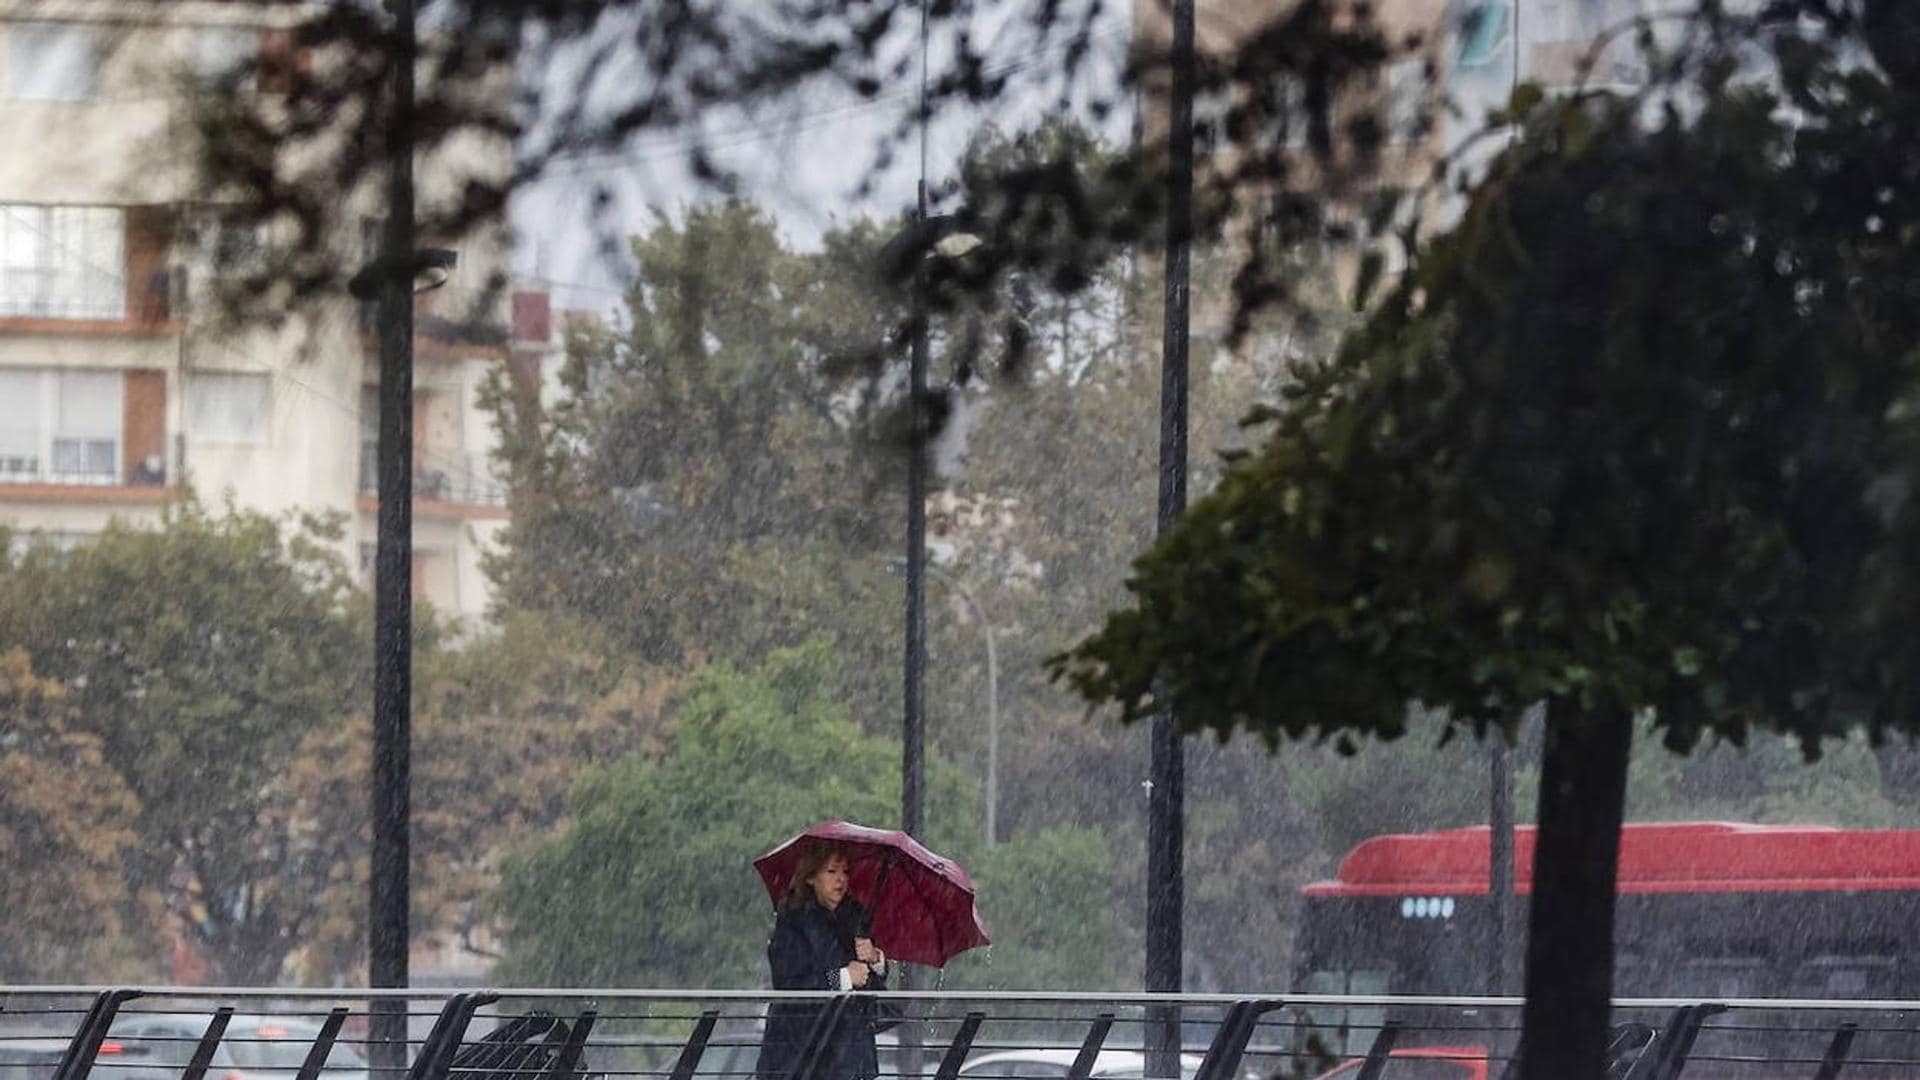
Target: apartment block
x: 120, y: 391
x: 1455, y: 61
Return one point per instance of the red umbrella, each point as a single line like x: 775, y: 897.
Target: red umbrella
x: 922, y: 904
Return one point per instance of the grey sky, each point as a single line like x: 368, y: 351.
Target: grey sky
x: 804, y: 160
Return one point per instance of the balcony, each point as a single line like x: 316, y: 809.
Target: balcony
x: 81, y: 462
x: 82, y: 470
x: 86, y: 270
x: 448, y: 322
x: 452, y: 479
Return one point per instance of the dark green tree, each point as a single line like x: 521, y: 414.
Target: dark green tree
x: 1621, y: 442
x: 657, y: 848
x: 66, y: 824
x: 696, y: 493
x: 200, y: 655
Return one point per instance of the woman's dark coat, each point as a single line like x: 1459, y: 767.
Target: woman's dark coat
x: 808, y: 948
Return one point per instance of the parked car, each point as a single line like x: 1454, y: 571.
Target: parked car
x: 1055, y: 1063
x: 1422, y: 1063
x: 37, y: 1055
x: 28, y: 1057
x: 160, y: 1045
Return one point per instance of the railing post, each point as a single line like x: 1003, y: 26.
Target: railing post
x: 956, y: 1054
x: 1837, y: 1051
x: 93, y: 1031
x: 1667, y: 1054
x: 1230, y: 1042
x: 1090, y: 1047
x: 209, y: 1042
x: 322, y: 1046
x: 1380, y: 1051
x: 1648, y: 1067
x: 443, y: 1042
x: 568, y: 1059
x: 1222, y: 1038
x: 1627, y: 1043
x: 696, y: 1046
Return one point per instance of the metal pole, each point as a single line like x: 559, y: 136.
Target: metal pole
x: 913, y: 766
x: 913, y: 775
x: 1166, y: 802
x: 1500, y: 863
x: 993, y: 734
x: 387, y: 937
x: 991, y: 825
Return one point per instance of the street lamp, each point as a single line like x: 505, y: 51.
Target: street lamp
x: 392, y: 278
x: 991, y: 826
x: 907, y: 254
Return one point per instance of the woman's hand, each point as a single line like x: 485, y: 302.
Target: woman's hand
x: 857, y: 974
x: 868, y: 953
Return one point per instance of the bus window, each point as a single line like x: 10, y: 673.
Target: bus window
x: 1850, y: 969
x: 1721, y: 967
x: 1345, y: 1031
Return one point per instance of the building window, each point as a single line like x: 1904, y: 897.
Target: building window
x: 63, y: 262
x: 226, y: 58
x: 230, y: 406
x: 1288, y: 120
x: 1485, y: 36
x: 61, y: 427
x: 53, y: 62
x: 1407, y: 100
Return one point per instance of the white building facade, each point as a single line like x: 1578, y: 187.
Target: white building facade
x: 120, y: 393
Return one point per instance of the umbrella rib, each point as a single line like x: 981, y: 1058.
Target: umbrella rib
x: 939, y: 938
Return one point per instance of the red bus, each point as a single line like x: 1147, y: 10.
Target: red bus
x: 1708, y: 911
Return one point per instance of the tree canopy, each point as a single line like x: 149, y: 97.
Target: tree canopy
x: 66, y: 825
x: 1631, y: 438
x: 200, y: 655
x: 656, y: 850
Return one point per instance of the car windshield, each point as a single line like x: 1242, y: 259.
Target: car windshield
x: 277, y: 1048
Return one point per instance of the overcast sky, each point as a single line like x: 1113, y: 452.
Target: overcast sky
x: 804, y: 161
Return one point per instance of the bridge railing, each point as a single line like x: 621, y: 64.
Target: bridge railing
x: 184, y: 1033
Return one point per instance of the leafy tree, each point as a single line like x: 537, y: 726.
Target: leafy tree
x: 201, y: 655
x: 1620, y: 441
x: 1050, y: 903
x: 1052, y: 500
x: 66, y: 822
x: 696, y: 493
x: 657, y: 848
x: 503, y: 724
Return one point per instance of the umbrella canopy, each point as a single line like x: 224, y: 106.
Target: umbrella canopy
x: 922, y: 904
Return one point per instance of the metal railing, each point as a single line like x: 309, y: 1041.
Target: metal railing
x: 448, y: 476
x: 187, y: 1033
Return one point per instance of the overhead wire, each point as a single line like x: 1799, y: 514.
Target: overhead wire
x: 667, y: 147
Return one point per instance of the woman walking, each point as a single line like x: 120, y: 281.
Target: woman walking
x: 819, y: 942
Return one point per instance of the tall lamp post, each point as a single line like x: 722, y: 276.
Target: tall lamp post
x: 990, y: 827
x: 391, y: 279
x: 1166, y: 804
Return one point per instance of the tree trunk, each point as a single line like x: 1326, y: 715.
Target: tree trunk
x: 1569, y: 981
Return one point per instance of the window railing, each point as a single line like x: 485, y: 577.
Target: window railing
x: 81, y: 461
x: 453, y: 478
x: 85, y: 461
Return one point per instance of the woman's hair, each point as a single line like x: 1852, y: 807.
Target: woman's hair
x: 799, y: 892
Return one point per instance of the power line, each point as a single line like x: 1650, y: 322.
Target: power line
x: 665, y: 148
